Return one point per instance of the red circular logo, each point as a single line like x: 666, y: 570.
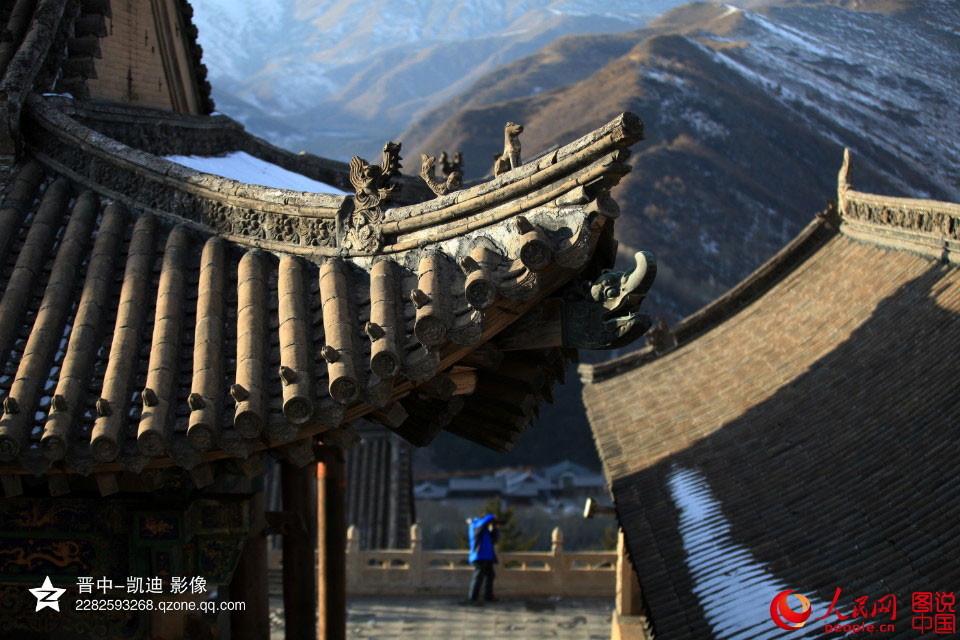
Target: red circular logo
x: 785, y: 617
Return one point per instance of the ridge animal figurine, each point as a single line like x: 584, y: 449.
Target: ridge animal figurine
x: 447, y: 167
x: 605, y: 313
x: 428, y: 173
x: 372, y: 182
x: 510, y: 158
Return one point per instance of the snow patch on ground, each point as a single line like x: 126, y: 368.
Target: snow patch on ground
x: 706, y: 126
x: 662, y: 76
x: 708, y: 245
x: 243, y: 167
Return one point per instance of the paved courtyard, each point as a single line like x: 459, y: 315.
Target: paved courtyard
x: 385, y: 618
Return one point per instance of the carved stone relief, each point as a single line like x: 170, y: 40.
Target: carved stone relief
x: 360, y: 226
x: 223, y: 217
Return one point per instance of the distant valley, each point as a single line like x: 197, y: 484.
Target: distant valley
x: 338, y: 78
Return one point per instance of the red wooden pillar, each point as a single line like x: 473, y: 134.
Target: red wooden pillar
x: 331, y: 546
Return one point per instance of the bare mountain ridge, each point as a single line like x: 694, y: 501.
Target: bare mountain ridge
x: 746, y: 114
x: 383, y: 94
x: 563, y: 61
x: 340, y: 77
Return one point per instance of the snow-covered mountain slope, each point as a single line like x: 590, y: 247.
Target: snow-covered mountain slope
x: 746, y: 113
x: 881, y: 83
x: 746, y: 109
x: 368, y: 67
x: 242, y: 36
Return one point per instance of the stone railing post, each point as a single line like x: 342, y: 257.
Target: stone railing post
x: 416, y: 556
x: 354, y: 562
x: 557, y: 563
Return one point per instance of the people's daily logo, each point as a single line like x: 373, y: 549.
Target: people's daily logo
x: 784, y: 616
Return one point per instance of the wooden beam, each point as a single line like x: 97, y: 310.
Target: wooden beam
x: 540, y: 328
x: 487, y: 356
x: 427, y: 419
x: 531, y: 375
x: 202, y: 475
x: 439, y: 387
x: 107, y: 483
x: 469, y: 427
x: 496, y: 414
x: 59, y: 484
x: 466, y: 380
x: 12, y: 485
x: 393, y: 415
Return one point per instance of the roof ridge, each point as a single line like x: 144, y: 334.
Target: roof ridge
x: 820, y: 230
x: 928, y: 227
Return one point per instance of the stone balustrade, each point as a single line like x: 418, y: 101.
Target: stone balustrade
x: 529, y: 573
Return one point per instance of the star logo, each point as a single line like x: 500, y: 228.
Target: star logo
x: 47, y: 595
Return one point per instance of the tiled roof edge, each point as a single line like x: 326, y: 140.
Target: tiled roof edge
x: 211, y: 204
x: 174, y: 133
x: 928, y: 227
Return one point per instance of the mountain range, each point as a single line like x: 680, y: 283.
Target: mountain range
x: 746, y: 113
x: 747, y: 107
x: 338, y: 78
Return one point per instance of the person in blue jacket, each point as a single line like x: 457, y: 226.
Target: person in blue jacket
x: 483, y: 533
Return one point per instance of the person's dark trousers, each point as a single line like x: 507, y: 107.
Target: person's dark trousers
x: 482, y: 574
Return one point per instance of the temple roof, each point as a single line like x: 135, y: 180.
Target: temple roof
x: 799, y: 432
x: 153, y: 315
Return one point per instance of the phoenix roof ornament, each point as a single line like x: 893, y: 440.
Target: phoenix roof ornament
x: 372, y: 182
